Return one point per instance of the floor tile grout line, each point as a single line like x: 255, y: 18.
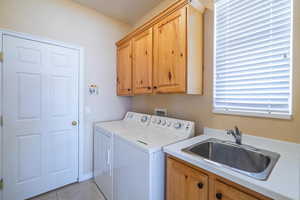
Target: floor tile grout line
x: 56, y: 194
x: 92, y: 185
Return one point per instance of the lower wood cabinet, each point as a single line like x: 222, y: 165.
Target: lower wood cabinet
x: 227, y: 192
x: 184, y: 183
x: 187, y: 182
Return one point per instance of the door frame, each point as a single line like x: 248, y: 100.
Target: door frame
x: 81, y: 88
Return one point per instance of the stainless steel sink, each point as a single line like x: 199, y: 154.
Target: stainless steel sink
x: 247, y: 160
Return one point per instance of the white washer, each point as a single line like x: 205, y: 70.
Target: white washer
x: 138, y: 168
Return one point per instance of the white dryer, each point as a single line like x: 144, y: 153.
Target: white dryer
x: 136, y: 157
x: 103, y: 147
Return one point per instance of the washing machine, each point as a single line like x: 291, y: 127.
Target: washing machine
x: 131, y: 163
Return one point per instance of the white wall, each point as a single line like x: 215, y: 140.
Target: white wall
x: 152, y: 13
x: 163, y: 5
x: 66, y: 21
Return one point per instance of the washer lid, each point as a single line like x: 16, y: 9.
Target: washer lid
x: 116, y: 127
x: 150, y: 139
x: 132, y: 121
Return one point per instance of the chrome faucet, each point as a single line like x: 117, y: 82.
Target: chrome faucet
x: 237, y: 134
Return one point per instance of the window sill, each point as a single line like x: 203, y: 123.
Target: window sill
x: 252, y: 114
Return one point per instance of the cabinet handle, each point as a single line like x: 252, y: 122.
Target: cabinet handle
x: 149, y: 88
x: 129, y: 90
x: 200, y: 185
x: 219, y: 195
x: 155, y: 87
x: 170, y: 76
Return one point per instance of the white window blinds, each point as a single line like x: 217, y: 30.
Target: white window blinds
x: 253, y: 57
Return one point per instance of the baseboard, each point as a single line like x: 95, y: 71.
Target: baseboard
x: 85, y: 177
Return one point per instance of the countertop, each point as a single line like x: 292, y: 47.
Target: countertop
x: 282, y: 184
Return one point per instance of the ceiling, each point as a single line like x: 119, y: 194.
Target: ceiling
x: 128, y: 11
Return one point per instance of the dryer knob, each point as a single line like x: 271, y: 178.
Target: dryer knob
x: 144, y: 119
x: 177, y: 125
x: 187, y: 127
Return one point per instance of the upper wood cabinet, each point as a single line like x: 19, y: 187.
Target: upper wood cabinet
x: 170, y: 53
x: 142, y: 62
x: 124, y: 69
x: 167, y: 53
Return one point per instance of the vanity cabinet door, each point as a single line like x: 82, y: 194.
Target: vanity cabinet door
x: 142, y: 62
x: 124, y: 69
x: 185, y: 183
x: 170, y: 53
x: 227, y: 192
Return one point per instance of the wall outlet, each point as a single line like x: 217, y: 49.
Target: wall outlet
x: 161, y: 112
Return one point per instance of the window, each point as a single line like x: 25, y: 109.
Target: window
x: 253, y: 58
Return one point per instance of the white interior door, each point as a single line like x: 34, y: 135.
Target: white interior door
x: 1, y: 139
x: 40, y: 102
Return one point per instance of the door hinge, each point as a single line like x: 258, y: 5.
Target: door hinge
x: 1, y: 56
x: 1, y: 184
x: 1, y: 121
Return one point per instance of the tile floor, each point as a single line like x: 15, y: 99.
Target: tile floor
x: 78, y: 191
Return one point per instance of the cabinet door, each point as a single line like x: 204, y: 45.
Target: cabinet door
x: 124, y: 69
x: 170, y: 53
x: 226, y: 192
x: 185, y: 183
x: 142, y: 62
x: 197, y: 185
x: 176, y: 181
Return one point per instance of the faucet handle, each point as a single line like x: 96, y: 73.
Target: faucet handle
x: 237, y: 134
x: 237, y: 131
x: 229, y: 131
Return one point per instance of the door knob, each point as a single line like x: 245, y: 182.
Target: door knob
x: 74, y: 123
